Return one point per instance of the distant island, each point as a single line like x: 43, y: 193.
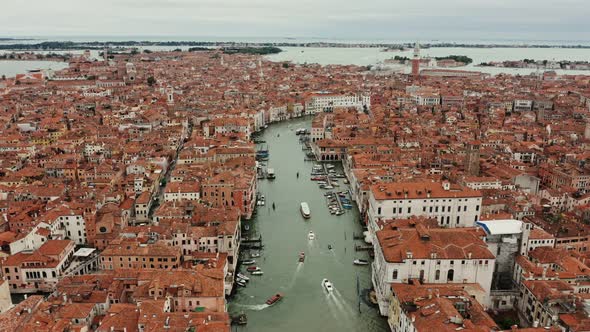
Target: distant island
x: 443, y: 61
x: 539, y: 64
x: 252, y: 50
x: 70, y: 45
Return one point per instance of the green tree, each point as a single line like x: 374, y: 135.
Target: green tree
x: 151, y: 81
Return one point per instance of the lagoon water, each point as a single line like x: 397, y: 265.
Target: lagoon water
x: 350, y: 56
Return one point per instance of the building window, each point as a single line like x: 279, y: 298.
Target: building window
x: 437, y: 275
x: 450, y: 275
x: 394, y: 276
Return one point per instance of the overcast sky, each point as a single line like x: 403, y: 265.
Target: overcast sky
x: 361, y: 19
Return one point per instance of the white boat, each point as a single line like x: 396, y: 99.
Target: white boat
x: 241, y: 283
x: 257, y: 273
x: 361, y: 262
x: 270, y: 173
x: 249, y: 262
x: 305, y: 211
x: 328, y: 285
x: 255, y: 254
x: 311, y: 235
x: 241, y: 276
x: 242, y: 280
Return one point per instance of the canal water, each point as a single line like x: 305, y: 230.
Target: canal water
x: 306, y: 305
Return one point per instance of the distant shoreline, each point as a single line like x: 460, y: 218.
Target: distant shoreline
x: 97, y: 45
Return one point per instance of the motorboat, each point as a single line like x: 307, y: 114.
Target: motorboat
x: 359, y: 261
x: 255, y: 254
x: 328, y: 285
x: 301, y: 257
x: 329, y: 186
x: 241, y: 276
x: 339, y: 212
x: 248, y: 262
x: 257, y: 273
x: 274, y: 299
x: 270, y: 173
x: 241, y: 283
x: 311, y: 235
x: 242, y: 280
x: 329, y: 247
x: 247, y: 227
x: 252, y: 268
x: 305, y: 211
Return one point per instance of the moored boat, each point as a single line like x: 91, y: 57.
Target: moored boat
x: 305, y: 211
x: 241, y: 283
x: 270, y: 173
x: 274, y: 299
x: 359, y: 261
x: 311, y: 235
x: 257, y: 273
x: 248, y: 262
x: 252, y: 268
x: 301, y: 257
x: 241, y: 276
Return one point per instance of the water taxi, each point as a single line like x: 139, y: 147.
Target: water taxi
x: 328, y: 285
x: 311, y: 235
x: 305, y: 211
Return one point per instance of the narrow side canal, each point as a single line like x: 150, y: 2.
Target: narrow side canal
x: 306, y: 305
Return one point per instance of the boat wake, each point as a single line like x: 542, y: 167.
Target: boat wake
x: 295, y: 275
x: 341, y: 303
x: 338, y: 310
x: 253, y: 307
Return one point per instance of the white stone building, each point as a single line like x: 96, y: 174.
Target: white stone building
x: 438, y: 256
x: 327, y: 102
x: 451, y: 205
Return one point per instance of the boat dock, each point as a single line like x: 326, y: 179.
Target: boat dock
x: 359, y: 247
x: 248, y: 243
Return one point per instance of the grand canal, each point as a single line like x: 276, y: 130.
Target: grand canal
x: 306, y: 306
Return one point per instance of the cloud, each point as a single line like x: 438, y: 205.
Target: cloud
x: 393, y: 19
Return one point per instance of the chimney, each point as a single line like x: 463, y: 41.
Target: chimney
x: 429, y: 293
x: 514, y: 327
x: 544, y: 271
x: 446, y: 185
x: 409, y: 254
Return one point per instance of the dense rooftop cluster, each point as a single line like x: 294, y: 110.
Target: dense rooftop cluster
x: 123, y: 185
